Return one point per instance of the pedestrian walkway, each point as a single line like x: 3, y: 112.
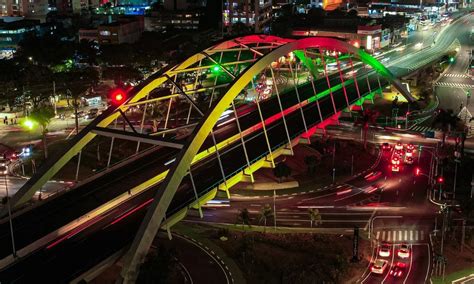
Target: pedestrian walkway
x: 400, y: 235
x: 423, y: 129
x: 454, y: 85
x: 455, y: 75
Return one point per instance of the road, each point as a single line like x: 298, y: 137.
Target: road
x: 92, y: 237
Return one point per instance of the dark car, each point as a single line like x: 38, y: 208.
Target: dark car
x: 92, y: 113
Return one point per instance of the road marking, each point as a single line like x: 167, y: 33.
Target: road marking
x: 406, y: 235
x: 400, y: 235
x: 378, y: 234
x: 422, y: 235
x: 394, y: 234
x: 383, y: 235
x: 416, y: 235
x: 411, y: 262
x: 388, y: 236
x: 411, y: 235
x: 391, y: 263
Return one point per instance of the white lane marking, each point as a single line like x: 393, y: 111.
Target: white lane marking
x: 422, y: 235
x: 406, y: 236
x: 368, y: 266
x: 378, y: 234
x: 411, y: 235
x: 400, y: 236
x: 429, y: 261
x: 416, y: 235
x: 394, y: 234
x: 411, y: 262
x: 388, y: 236
x: 383, y: 235
x: 391, y: 263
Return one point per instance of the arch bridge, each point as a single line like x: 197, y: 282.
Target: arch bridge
x: 210, y: 122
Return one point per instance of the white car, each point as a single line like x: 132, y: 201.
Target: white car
x: 3, y: 170
x: 399, y: 146
x: 379, y: 266
x: 384, y: 250
x: 404, y: 251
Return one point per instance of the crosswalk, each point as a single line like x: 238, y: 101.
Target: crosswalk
x: 454, y: 85
x: 455, y: 75
x: 423, y: 129
x: 400, y: 235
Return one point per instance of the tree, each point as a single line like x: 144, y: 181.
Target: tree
x: 43, y: 115
x: 446, y: 120
x: 366, y: 118
x: 158, y: 267
x: 75, y: 83
x: 281, y: 170
x: 314, y: 217
x: 244, y: 217
x: 265, y: 213
x: 311, y: 162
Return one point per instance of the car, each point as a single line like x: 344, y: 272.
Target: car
x: 395, y: 168
x: 4, y: 162
x: 379, y: 266
x: 395, y: 160
x: 384, y: 250
x: 79, y: 114
x: 3, y: 170
x: 409, y: 160
x: 398, y: 269
x: 410, y: 147
x: 409, y: 153
x: 386, y: 146
x: 398, y: 153
x: 404, y: 251
x: 399, y: 146
x: 92, y: 113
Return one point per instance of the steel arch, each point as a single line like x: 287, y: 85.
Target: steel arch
x: 157, y: 210
x: 55, y: 163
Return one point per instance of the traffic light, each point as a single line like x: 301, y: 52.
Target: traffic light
x: 451, y: 59
x: 118, y: 96
x: 417, y: 171
x: 440, y: 179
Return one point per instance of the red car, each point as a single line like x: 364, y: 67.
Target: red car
x: 398, y: 270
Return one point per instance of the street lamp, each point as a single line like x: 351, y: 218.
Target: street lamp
x: 9, y: 214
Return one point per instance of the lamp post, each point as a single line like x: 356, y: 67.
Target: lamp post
x: 9, y: 215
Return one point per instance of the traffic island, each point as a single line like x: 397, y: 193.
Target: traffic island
x: 311, y: 166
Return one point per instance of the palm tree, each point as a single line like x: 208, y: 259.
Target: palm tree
x: 446, y: 120
x: 265, y: 213
x: 244, y: 217
x: 366, y: 118
x: 43, y: 115
x: 314, y: 216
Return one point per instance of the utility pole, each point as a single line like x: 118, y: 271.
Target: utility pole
x: 333, y: 162
x: 463, y: 234
x: 10, y: 216
x: 274, y: 211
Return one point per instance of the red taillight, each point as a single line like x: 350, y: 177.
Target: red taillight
x: 391, y: 272
x: 399, y: 273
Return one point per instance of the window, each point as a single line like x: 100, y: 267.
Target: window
x: 104, y: 33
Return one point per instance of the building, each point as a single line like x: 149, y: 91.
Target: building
x: 177, y: 20
x: 24, y: 8
x: 81, y: 5
x: 255, y: 14
x: 13, y: 32
x: 124, y: 30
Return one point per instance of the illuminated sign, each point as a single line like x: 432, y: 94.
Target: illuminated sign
x: 330, y: 5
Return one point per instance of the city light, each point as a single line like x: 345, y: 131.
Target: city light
x: 216, y: 69
x: 440, y: 179
x: 28, y: 123
x: 417, y: 171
